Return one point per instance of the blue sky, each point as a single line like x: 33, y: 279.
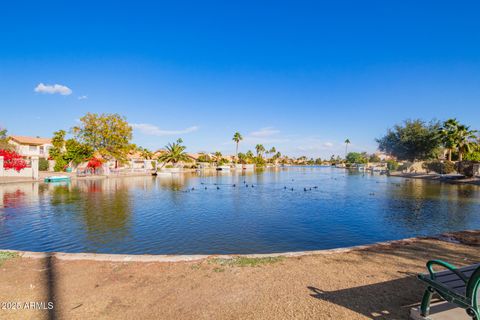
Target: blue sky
x: 298, y: 75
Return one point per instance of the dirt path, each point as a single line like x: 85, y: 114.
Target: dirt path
x: 374, y: 283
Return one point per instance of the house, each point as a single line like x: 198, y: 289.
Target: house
x: 30, y: 146
x: 383, y: 156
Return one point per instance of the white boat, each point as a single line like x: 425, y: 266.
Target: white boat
x: 56, y: 178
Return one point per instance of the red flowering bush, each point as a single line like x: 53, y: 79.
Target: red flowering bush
x: 12, y: 160
x: 94, y: 163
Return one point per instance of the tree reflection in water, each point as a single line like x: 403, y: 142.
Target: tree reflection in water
x: 103, y: 205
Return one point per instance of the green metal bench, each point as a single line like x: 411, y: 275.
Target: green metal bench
x: 458, y: 286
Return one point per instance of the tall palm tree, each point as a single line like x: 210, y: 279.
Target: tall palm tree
x: 237, y: 137
x: 347, y: 142
x: 175, y: 152
x: 260, y: 149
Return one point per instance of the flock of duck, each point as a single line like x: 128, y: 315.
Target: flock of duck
x: 234, y: 185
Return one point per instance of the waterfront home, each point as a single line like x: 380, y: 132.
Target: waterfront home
x: 31, y: 146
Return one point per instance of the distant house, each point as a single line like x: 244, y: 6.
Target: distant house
x: 30, y: 146
x: 383, y: 156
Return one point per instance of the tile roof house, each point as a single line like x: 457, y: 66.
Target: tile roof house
x: 31, y: 146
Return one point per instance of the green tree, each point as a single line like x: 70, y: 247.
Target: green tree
x: 4, y: 145
x: 356, y: 157
x: 107, y: 134
x: 68, y: 152
x: 237, y: 137
x: 474, y: 154
x: 76, y: 152
x: 175, y: 152
x: 413, y: 140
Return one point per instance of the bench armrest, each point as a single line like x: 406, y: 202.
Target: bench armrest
x: 473, y: 286
x: 446, y: 265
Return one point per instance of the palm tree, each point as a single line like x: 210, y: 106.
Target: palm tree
x: 464, y: 139
x: 145, y: 153
x: 456, y: 136
x: 242, y: 157
x: 447, y: 135
x: 249, y: 154
x: 347, y: 142
x: 237, y: 137
x: 218, y: 156
x: 260, y: 149
x: 175, y: 152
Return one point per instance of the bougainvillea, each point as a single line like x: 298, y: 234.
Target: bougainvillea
x: 94, y: 163
x: 12, y: 160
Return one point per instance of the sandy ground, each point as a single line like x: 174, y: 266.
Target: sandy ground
x: 374, y: 283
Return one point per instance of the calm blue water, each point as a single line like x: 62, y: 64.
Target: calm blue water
x: 164, y: 215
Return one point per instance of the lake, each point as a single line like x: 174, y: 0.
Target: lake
x: 276, y: 210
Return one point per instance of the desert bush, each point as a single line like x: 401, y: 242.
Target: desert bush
x: 392, y: 165
x: 466, y: 168
x: 442, y: 167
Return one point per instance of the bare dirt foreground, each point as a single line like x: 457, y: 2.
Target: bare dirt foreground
x: 374, y: 283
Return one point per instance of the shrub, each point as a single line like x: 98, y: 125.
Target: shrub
x: 466, y: 168
x: 222, y: 162
x: 204, y: 158
x: 169, y: 166
x: 43, y: 164
x: 438, y: 166
x: 60, y: 165
x: 12, y: 160
x: 94, y: 163
x: 392, y: 165
x: 472, y: 156
x: 374, y: 158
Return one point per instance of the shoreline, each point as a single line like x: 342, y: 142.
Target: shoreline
x: 437, y: 177
x: 449, y: 179
x: 453, y: 237
x: 358, y: 283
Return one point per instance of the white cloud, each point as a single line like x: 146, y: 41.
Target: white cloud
x: 264, y: 132
x: 152, y: 130
x: 328, y: 144
x: 82, y: 98
x: 267, y: 135
x: 53, y: 89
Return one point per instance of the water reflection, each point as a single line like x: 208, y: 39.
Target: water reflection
x: 280, y: 209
